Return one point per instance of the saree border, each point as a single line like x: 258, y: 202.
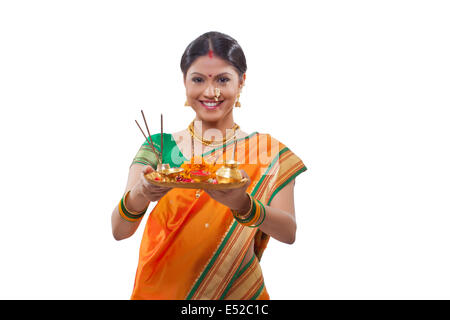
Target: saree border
x: 199, y: 280
x: 205, y: 279
x: 285, y: 176
x: 249, y: 283
x: 213, y: 280
x: 282, y: 185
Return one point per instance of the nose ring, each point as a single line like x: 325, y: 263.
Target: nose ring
x: 217, y: 94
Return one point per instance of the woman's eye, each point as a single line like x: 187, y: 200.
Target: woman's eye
x: 223, y: 80
x: 197, y: 80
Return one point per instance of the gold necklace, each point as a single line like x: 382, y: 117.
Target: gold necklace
x: 212, y: 143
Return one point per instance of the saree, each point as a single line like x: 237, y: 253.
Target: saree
x: 193, y: 248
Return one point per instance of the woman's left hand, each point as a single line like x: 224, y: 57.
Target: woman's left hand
x: 235, y: 199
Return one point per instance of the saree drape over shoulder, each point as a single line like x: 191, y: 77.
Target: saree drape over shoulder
x: 193, y: 248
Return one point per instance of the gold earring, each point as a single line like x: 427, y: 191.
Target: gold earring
x: 237, y: 104
x: 186, y: 104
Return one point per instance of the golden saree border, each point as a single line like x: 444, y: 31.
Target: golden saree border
x: 249, y: 283
x: 289, y: 167
x: 223, y: 265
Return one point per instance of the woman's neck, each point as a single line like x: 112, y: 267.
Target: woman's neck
x: 209, y: 129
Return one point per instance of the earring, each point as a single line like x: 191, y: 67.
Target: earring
x: 237, y: 104
x: 186, y: 104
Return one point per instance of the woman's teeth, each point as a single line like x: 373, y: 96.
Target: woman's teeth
x: 210, y: 104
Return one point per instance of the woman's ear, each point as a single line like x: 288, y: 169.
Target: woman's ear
x: 242, y: 81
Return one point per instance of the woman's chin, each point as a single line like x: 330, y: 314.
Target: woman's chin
x: 210, y: 115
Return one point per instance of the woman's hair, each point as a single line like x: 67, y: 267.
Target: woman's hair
x: 222, y: 45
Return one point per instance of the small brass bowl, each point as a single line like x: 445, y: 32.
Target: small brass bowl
x: 162, y: 166
x: 199, y: 177
x: 229, y: 173
x: 172, y: 172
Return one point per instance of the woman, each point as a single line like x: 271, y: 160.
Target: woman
x: 207, y: 244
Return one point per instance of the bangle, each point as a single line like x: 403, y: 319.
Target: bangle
x: 129, y: 215
x: 264, y: 214
x: 251, y: 218
x: 248, y: 213
x: 256, y: 216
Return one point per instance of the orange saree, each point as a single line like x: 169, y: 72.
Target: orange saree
x: 193, y: 248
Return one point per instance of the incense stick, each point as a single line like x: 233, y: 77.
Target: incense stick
x: 201, y: 150
x: 162, y: 135
x: 148, y: 131
x: 234, y: 148
x: 150, y: 143
x: 192, y: 149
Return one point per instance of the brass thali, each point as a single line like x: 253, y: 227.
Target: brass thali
x: 160, y: 180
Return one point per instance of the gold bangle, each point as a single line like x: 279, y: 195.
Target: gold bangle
x: 248, y: 213
x: 255, y: 217
x: 128, y: 210
x: 126, y: 214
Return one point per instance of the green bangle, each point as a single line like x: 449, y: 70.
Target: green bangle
x: 264, y: 216
x: 252, y: 213
x: 127, y: 213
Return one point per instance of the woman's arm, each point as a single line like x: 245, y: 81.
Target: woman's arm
x: 141, y: 194
x: 280, y: 216
x: 121, y: 228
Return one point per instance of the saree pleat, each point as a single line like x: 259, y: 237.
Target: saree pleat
x: 193, y: 248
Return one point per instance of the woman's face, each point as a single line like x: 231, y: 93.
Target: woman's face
x: 202, y: 77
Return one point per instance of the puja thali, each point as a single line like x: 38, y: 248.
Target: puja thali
x: 160, y: 180
x: 196, y: 173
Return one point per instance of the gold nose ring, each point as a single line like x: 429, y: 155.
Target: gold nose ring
x: 217, y: 93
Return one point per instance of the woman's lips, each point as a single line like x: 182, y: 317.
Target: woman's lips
x: 211, y: 105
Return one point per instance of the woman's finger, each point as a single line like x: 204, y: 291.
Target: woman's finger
x: 148, y: 169
x: 244, y: 174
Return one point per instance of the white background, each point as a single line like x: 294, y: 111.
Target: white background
x: 358, y: 89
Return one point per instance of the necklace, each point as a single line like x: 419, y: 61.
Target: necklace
x: 213, y: 143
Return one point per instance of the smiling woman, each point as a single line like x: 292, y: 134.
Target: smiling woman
x: 207, y: 244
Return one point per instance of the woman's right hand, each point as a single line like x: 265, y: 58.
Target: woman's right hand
x: 150, y: 191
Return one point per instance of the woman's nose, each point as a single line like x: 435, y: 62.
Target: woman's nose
x: 209, y: 91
